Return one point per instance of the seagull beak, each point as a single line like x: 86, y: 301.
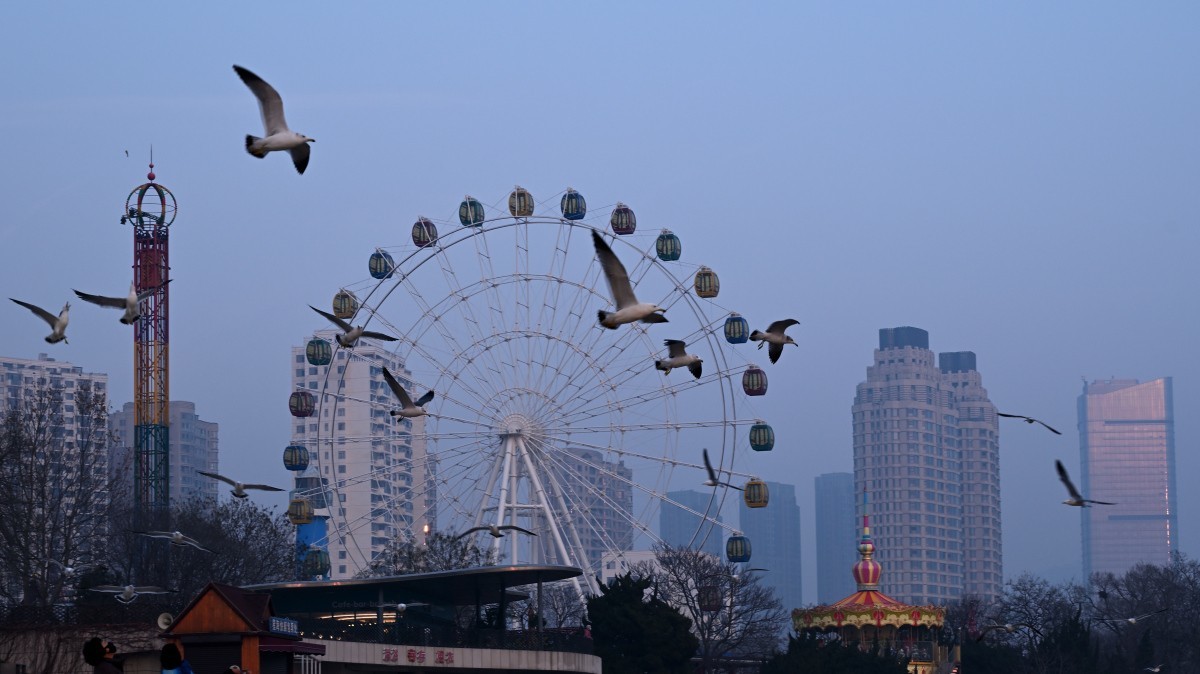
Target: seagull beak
x: 310, y: 140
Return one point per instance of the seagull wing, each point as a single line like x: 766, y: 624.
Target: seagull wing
x: 425, y: 399
x: 774, y: 352
x: 45, y: 315
x: 231, y: 483
x: 114, y: 302
x: 733, y: 486
x: 696, y: 368
x: 614, y: 273
x: 1015, y: 416
x: 712, y: 475
x: 145, y: 294
x: 405, y: 401
x: 779, y: 326
x: 1088, y: 500
x: 188, y: 540
x: 379, y: 335
x: 469, y: 532
x: 1062, y: 475
x: 150, y: 589
x: 675, y: 347
x: 270, y: 105
x: 1048, y: 427
x: 346, y: 327
x: 107, y: 588
x: 300, y: 157
x: 261, y: 487
x: 516, y: 528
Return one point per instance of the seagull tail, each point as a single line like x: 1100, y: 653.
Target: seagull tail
x: 604, y: 315
x: 757, y: 335
x: 660, y: 365
x: 250, y: 141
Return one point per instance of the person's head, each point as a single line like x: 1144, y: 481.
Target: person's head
x: 170, y: 657
x: 233, y: 669
x: 93, y: 651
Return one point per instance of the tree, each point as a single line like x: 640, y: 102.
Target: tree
x: 56, y: 493
x: 440, y: 552
x: 634, y: 633
x: 816, y: 656
x: 732, y: 613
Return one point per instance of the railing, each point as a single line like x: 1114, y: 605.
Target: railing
x: 569, y: 639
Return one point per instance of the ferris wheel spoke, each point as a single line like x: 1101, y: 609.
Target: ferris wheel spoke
x: 657, y: 394
x: 599, y: 495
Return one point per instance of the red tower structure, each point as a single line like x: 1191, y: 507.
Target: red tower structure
x: 150, y: 209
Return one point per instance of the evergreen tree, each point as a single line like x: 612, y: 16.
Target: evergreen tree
x: 634, y: 633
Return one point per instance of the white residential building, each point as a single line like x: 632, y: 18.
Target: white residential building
x: 192, y: 447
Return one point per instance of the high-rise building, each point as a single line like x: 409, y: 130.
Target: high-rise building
x: 835, y: 536
x: 21, y: 379
x: 1127, y: 455
x: 923, y: 467
x: 774, y: 533
x: 680, y: 519
x: 373, y: 466
x: 192, y: 447
x: 598, y: 508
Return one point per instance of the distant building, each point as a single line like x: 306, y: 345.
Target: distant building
x: 835, y: 536
x: 356, y: 439
x: 774, y: 533
x: 680, y: 519
x: 926, y: 449
x: 192, y: 447
x: 599, y: 507
x: 613, y: 564
x: 1127, y: 456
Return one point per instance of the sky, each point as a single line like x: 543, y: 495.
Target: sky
x: 1018, y: 179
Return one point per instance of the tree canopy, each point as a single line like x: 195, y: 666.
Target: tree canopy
x: 634, y: 633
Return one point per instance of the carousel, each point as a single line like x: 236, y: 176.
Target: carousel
x: 869, y: 618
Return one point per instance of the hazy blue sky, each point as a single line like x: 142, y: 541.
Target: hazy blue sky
x: 1019, y: 179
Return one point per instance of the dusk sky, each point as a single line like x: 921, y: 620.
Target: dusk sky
x: 1018, y: 179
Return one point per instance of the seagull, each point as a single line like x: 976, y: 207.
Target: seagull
x: 176, y: 538
x: 402, y: 607
x: 1028, y: 420
x: 351, y: 334
x: 239, y: 488
x: 58, y: 326
x: 677, y: 356
x: 495, y: 530
x: 408, y: 408
x: 131, y: 303
x: 279, y: 136
x: 1076, y: 499
x: 1007, y: 627
x: 629, y: 310
x: 1155, y: 669
x: 126, y: 594
x: 72, y: 570
x: 712, y: 480
x: 1134, y: 620
x: 775, y: 337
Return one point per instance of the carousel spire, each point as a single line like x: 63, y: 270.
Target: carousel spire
x: 866, y: 571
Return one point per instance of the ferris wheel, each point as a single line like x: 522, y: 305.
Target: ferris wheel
x: 541, y: 418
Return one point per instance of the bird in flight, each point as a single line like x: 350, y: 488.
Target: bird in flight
x: 1135, y: 619
x: 278, y: 135
x: 677, y: 356
x: 58, y: 325
x: 629, y: 310
x: 176, y: 538
x: 1155, y: 669
x: 131, y: 303
x: 127, y: 593
x: 239, y: 488
x: 712, y: 480
x: 775, y: 337
x: 408, y: 408
x: 402, y: 607
x: 350, y: 335
x: 1028, y: 420
x: 69, y: 570
x: 495, y: 531
x: 1076, y: 499
x: 1007, y: 627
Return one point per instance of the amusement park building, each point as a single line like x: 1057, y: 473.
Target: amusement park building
x: 1127, y: 452
x: 926, y: 446
x: 193, y: 447
x: 358, y: 437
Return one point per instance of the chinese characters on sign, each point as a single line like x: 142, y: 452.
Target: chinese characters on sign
x: 418, y: 656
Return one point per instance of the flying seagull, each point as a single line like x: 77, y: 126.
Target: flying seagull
x: 775, y: 337
x: 176, y: 538
x: 494, y: 530
x: 1155, y: 669
x: 1007, y: 627
x: 279, y: 136
x: 1076, y: 499
x: 408, y: 408
x: 68, y: 570
x: 712, y: 475
x: 677, y: 356
x: 1028, y: 420
x: 629, y: 310
x: 58, y: 326
x: 239, y: 488
x: 351, y: 335
x: 130, y: 303
x: 1134, y: 620
x: 402, y: 607
x: 127, y: 593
